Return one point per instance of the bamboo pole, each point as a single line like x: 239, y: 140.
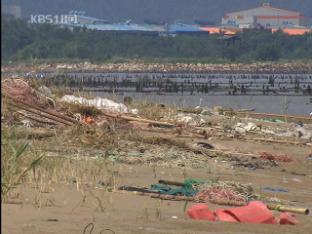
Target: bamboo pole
x: 35, y: 118
x: 43, y: 114
x: 43, y: 110
x: 129, y: 118
x: 298, y: 210
x: 292, y: 209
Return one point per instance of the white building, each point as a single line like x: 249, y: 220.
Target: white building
x: 264, y: 16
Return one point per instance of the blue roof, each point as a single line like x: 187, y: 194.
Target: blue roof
x: 180, y: 27
x: 125, y: 27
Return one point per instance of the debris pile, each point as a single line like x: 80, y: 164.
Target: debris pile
x: 21, y: 91
x: 276, y: 158
x: 100, y: 103
x: 225, y: 190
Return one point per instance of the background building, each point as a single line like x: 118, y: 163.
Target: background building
x: 264, y: 16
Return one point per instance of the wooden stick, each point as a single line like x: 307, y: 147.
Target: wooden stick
x: 280, y: 141
x: 129, y: 118
x: 172, y: 197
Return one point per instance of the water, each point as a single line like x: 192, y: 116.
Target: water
x: 294, y: 105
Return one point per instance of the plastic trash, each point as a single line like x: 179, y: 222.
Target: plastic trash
x: 280, y: 190
x: 255, y: 212
x: 100, y: 103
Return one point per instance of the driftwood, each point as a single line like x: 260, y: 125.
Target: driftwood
x: 280, y: 141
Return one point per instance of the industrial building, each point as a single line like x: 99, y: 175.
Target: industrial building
x: 264, y: 16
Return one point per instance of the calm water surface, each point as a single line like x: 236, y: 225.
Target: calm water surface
x: 296, y: 105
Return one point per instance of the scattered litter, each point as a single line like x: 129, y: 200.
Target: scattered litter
x: 303, y: 133
x: 254, y: 212
x: 278, y: 158
x: 297, y: 180
x: 134, y: 111
x: 88, y: 120
x: 279, y: 190
x: 243, y: 128
x: 309, y: 157
x: 205, y: 145
x: 174, y: 217
x: 45, y: 91
x: 272, y: 120
x: 100, y: 103
x: 187, y: 189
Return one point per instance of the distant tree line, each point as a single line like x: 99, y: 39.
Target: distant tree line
x: 22, y: 42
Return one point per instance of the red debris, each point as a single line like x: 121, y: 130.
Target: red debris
x: 254, y: 212
x: 21, y: 91
x: 276, y: 158
x: 88, y: 120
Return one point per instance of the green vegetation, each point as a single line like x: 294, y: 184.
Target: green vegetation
x: 14, y: 165
x: 23, y: 42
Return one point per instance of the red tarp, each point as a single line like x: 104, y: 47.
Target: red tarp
x: 254, y: 212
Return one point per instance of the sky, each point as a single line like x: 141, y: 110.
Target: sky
x: 158, y: 10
